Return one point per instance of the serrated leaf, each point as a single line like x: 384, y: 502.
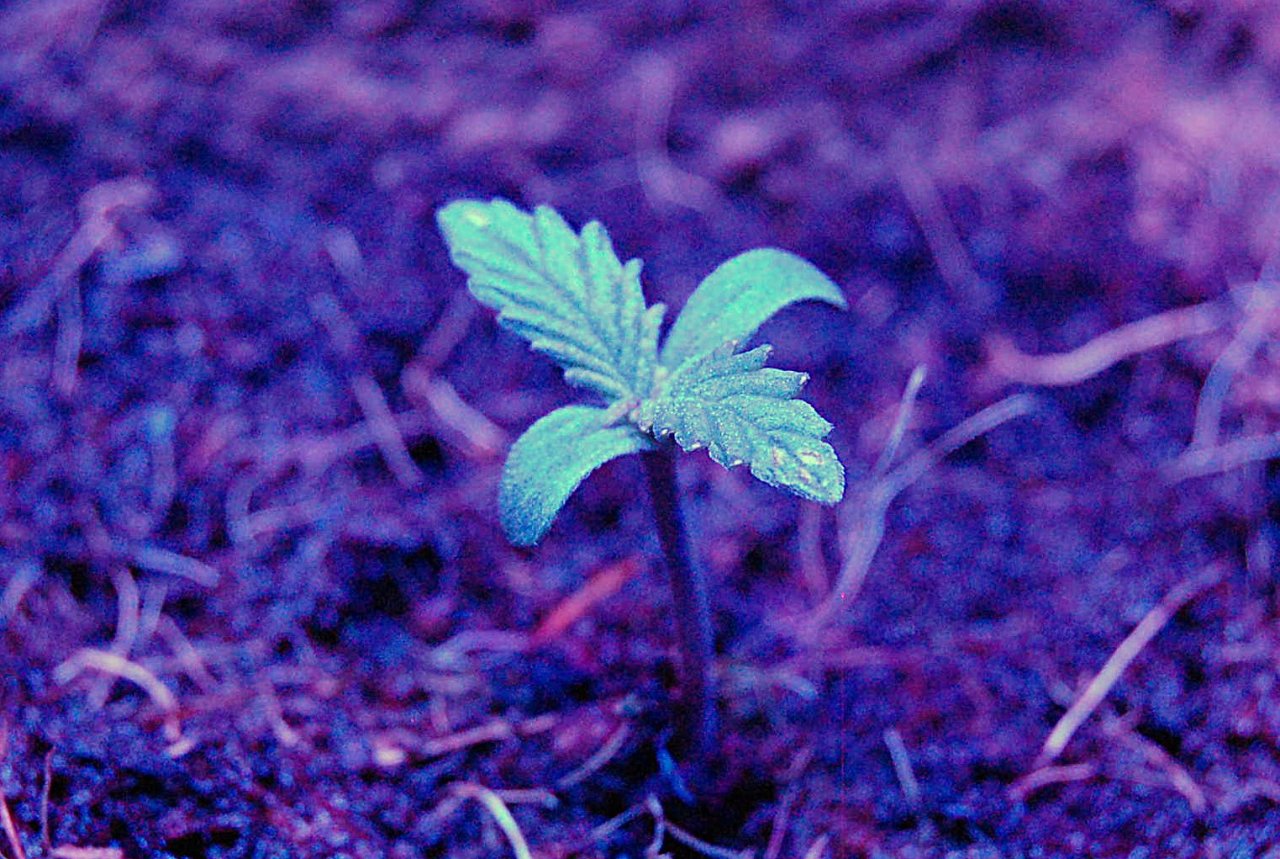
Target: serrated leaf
x: 745, y: 413
x: 551, y: 458
x: 567, y: 293
x: 739, y: 296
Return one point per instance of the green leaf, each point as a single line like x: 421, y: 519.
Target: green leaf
x: 548, y: 462
x: 567, y: 293
x: 745, y: 413
x: 739, y: 296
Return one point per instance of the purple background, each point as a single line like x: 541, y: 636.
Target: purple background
x: 251, y: 424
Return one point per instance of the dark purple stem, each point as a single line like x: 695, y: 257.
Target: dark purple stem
x: 696, y: 721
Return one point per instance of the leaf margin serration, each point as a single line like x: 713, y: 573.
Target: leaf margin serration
x: 688, y: 404
x: 567, y: 293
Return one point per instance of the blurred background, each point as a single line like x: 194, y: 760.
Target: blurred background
x: 253, y: 596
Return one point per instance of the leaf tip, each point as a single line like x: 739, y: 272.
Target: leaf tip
x: 519, y: 533
x: 521, y: 539
x: 461, y: 216
x: 521, y: 525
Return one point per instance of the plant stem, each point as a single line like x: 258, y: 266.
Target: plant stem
x: 696, y: 721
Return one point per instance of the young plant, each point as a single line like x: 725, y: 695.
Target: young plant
x: 571, y: 297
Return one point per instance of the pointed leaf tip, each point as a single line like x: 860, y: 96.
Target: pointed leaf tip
x: 471, y: 213
x: 739, y: 296
x: 565, y: 292
x: 746, y: 413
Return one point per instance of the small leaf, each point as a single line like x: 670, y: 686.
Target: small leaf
x: 745, y: 413
x: 739, y: 296
x: 566, y: 293
x: 548, y: 462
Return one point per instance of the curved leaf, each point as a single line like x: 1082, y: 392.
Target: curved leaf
x: 746, y: 413
x: 548, y: 462
x: 565, y: 292
x: 739, y: 296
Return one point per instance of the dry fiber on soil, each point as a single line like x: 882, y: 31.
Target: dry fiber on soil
x: 254, y: 601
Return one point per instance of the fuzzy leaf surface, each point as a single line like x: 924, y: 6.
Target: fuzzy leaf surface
x: 745, y: 413
x: 550, y: 459
x: 739, y: 296
x: 567, y: 293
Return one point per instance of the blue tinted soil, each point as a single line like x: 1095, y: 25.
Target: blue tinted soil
x: 319, y: 645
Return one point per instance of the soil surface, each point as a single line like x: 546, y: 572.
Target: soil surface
x: 254, y: 598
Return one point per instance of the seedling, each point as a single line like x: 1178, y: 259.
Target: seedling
x: 571, y: 297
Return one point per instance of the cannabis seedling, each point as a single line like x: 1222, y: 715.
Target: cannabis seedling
x: 571, y: 297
